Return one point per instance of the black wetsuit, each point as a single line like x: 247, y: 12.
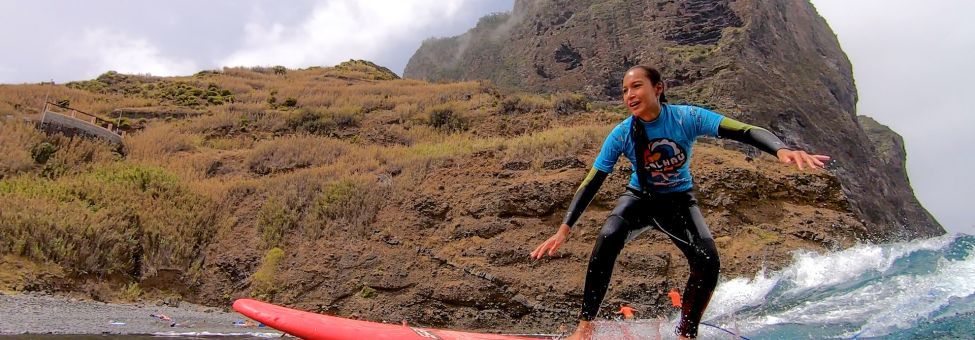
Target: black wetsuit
x: 674, y: 212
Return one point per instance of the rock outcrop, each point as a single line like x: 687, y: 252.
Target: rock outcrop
x: 890, y: 149
x: 771, y: 63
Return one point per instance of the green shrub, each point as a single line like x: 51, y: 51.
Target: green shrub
x: 43, y: 151
x: 274, y: 221
x: 322, y: 122
x: 367, y: 292
x: 337, y: 200
x: 205, y: 73
x: 523, y: 103
x: 555, y: 143
x: 262, y: 281
x: 61, y: 155
x: 131, y: 292
x: 115, y: 219
x: 568, y: 103
x: 693, y: 53
x: 349, y: 204
x: 294, y: 152
x: 364, y: 69
x: 18, y: 142
x: 510, y: 105
x: 444, y: 118
x: 291, y: 102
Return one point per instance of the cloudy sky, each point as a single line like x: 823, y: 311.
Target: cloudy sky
x: 913, y: 64
x: 910, y: 61
x: 73, y: 40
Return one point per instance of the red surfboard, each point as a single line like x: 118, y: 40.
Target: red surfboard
x: 314, y: 326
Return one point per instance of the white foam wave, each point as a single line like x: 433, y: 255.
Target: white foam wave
x: 812, y: 270
x: 738, y: 293
x: 913, y: 298
x: 879, y: 307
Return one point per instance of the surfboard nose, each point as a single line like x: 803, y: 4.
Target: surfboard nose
x: 245, y: 306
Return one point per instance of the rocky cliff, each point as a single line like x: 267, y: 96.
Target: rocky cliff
x: 890, y: 149
x: 771, y: 63
x: 340, y: 190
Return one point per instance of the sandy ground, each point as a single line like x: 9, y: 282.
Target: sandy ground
x: 44, y: 314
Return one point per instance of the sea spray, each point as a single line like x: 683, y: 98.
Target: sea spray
x: 917, y: 289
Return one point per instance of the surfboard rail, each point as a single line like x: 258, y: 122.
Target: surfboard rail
x: 313, y: 326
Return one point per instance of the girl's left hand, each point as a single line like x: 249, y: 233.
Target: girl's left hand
x: 801, y: 158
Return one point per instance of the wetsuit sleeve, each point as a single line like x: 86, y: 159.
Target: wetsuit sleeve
x: 601, y: 168
x: 752, y: 135
x: 584, y: 195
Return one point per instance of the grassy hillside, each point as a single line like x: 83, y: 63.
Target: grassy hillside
x: 311, y: 143
x: 343, y: 189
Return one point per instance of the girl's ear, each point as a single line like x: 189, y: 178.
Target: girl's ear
x: 658, y: 89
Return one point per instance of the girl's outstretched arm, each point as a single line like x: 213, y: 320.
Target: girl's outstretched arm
x: 584, y: 195
x: 768, y: 142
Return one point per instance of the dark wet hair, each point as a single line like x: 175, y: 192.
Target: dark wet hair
x: 654, y: 76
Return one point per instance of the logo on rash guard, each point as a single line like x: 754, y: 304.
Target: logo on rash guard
x: 662, y: 159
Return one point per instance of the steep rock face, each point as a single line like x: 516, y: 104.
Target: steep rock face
x: 890, y: 149
x: 771, y: 63
x: 889, y: 144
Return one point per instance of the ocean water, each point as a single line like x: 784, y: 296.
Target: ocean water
x: 922, y: 289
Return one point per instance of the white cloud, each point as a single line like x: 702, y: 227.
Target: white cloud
x: 101, y: 49
x: 338, y: 30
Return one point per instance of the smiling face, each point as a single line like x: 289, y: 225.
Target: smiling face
x: 640, y: 95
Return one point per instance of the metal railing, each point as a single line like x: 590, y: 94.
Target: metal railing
x: 65, y: 117
x: 80, y: 115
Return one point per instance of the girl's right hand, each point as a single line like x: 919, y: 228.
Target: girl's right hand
x: 552, y: 244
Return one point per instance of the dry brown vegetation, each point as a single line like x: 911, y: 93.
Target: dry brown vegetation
x: 346, y: 190
x: 289, y: 154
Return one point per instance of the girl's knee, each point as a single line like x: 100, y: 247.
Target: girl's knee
x: 615, y: 227
x: 706, y: 259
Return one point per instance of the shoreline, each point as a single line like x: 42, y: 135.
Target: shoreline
x: 32, y: 313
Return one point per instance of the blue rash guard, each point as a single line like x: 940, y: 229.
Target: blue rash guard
x: 667, y: 158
